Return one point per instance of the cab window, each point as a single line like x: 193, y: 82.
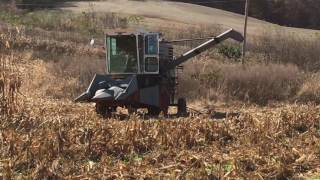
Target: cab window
x: 151, y: 44
x: 151, y: 59
x: 122, y: 54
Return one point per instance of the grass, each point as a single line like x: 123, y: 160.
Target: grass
x: 315, y: 177
x: 86, y: 23
x: 10, y: 84
x: 276, y: 46
x: 76, y: 73
x: 310, y: 89
x: 258, y: 83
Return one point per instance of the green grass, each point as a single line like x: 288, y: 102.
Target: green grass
x: 55, y: 20
x: 315, y: 178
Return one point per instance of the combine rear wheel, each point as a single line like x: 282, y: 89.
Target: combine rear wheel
x: 132, y: 110
x: 182, y: 107
x: 154, y: 111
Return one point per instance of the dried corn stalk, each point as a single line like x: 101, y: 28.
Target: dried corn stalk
x: 10, y: 84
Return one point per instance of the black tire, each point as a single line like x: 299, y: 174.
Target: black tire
x: 132, y: 110
x: 182, y: 107
x: 103, y: 110
x: 154, y: 111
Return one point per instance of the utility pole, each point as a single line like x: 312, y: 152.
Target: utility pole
x: 244, y: 47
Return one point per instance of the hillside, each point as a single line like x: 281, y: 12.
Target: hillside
x: 180, y: 14
x: 305, y: 14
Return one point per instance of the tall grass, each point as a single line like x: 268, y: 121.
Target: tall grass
x: 257, y: 83
x: 280, y: 46
x: 310, y: 90
x: 10, y: 83
x: 48, y: 46
x: 71, y: 76
x: 86, y: 23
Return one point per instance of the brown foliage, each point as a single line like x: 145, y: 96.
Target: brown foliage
x: 258, y: 83
x: 310, y: 90
x: 60, y: 139
x: 276, y: 46
x: 10, y: 83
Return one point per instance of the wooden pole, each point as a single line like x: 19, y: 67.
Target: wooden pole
x: 244, y: 47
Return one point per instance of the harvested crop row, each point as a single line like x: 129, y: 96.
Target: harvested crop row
x: 60, y: 139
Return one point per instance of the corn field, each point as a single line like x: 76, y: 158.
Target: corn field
x: 59, y: 139
x: 43, y: 138
x: 47, y: 138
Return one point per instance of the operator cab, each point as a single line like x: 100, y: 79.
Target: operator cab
x: 132, y: 53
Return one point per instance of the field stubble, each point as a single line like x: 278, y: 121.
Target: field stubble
x: 57, y: 138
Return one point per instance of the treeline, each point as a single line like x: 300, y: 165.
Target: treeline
x: 34, y: 4
x: 296, y: 13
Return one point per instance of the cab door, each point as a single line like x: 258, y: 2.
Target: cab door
x: 151, y: 53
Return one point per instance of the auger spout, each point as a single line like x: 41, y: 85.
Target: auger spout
x: 205, y: 46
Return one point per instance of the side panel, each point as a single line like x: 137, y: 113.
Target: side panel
x: 164, y: 99
x: 150, y: 96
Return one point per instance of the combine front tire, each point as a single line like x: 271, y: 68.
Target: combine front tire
x: 103, y: 110
x: 132, y: 110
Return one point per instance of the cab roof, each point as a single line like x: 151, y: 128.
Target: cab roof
x: 117, y: 33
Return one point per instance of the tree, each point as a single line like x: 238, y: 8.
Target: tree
x: 259, y: 9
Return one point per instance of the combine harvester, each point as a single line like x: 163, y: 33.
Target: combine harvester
x: 141, y: 72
